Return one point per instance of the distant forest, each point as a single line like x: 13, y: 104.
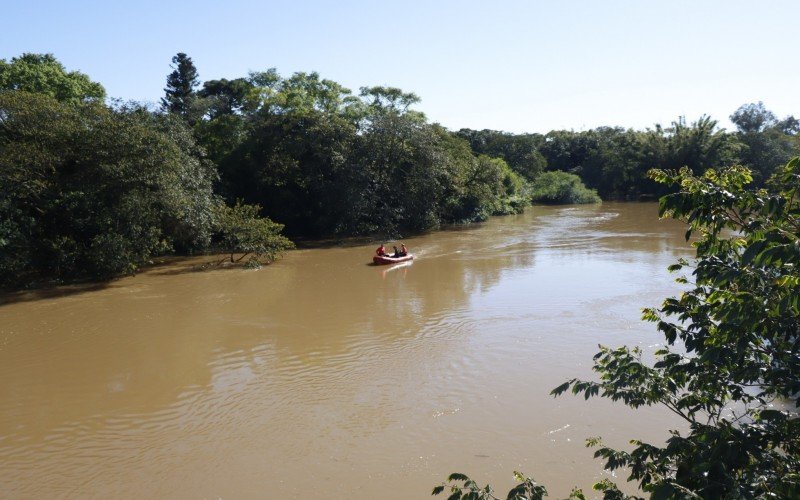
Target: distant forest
x: 92, y: 188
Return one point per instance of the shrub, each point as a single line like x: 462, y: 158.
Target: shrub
x: 558, y: 187
x: 240, y: 230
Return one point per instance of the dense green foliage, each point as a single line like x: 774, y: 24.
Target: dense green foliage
x: 43, y: 74
x: 521, y: 152
x: 240, y: 230
x: 87, y: 191
x: 325, y: 162
x: 92, y: 192
x: 731, y: 366
x: 180, y: 97
x: 765, y: 141
x: 126, y: 183
x: 560, y: 187
x: 614, y: 161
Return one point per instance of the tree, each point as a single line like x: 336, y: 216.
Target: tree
x: 562, y: 188
x: 789, y: 125
x: 180, y: 96
x: 389, y: 98
x: 699, y: 146
x: 293, y: 161
x: 307, y: 91
x: 43, y: 74
x: 614, y: 161
x: 753, y: 118
x: 327, y: 163
x: 398, y: 152
x: 519, y: 151
x: 766, y: 142
x: 731, y: 368
x: 239, y: 229
x: 92, y: 192
x: 490, y: 187
x: 227, y: 97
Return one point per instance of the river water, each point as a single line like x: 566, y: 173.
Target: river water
x: 322, y: 376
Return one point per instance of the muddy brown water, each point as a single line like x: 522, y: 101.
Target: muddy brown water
x: 321, y: 376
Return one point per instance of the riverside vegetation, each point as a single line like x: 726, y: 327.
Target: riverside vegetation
x: 91, y: 189
x: 94, y: 190
x: 730, y: 368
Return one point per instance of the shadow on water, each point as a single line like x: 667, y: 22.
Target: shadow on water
x: 180, y: 265
x: 166, y: 266
x: 377, y: 238
x: 53, y: 292
x: 277, y: 310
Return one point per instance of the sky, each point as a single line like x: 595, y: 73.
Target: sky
x: 517, y: 66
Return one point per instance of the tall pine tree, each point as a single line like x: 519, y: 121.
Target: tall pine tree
x: 181, y: 82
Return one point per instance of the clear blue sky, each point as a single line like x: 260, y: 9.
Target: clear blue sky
x: 520, y: 66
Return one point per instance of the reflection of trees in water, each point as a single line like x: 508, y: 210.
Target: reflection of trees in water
x: 130, y: 349
x: 139, y: 346
x: 315, y: 319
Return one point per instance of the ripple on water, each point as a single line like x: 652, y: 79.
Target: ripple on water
x: 226, y: 384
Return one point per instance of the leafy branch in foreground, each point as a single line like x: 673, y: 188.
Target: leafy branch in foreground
x: 731, y: 368
x: 469, y: 489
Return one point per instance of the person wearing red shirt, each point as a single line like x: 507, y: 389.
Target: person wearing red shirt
x: 381, y: 251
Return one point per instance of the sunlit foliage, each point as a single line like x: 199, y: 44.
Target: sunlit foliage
x: 92, y: 192
x: 731, y: 366
x: 240, y: 230
x: 562, y: 188
x: 43, y: 74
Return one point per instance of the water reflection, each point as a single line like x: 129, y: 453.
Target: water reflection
x: 233, y: 383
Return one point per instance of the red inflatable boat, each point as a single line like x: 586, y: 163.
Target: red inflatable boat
x: 385, y: 259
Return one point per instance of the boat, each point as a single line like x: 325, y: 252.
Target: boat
x: 385, y: 259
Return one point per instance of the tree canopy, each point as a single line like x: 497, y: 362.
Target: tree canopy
x: 557, y: 187
x: 93, y: 192
x: 43, y: 74
x: 180, y: 95
x: 753, y: 118
x: 88, y: 191
x: 324, y: 161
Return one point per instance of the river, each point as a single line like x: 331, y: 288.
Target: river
x: 322, y: 376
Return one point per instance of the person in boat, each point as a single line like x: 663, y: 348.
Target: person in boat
x: 403, y: 250
x: 381, y: 251
x: 396, y: 252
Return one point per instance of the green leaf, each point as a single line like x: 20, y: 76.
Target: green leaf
x: 771, y: 415
x: 664, y: 492
x: 560, y: 389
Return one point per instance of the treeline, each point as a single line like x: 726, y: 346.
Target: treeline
x: 93, y: 190
x: 326, y: 162
x: 90, y: 190
x: 615, y: 161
